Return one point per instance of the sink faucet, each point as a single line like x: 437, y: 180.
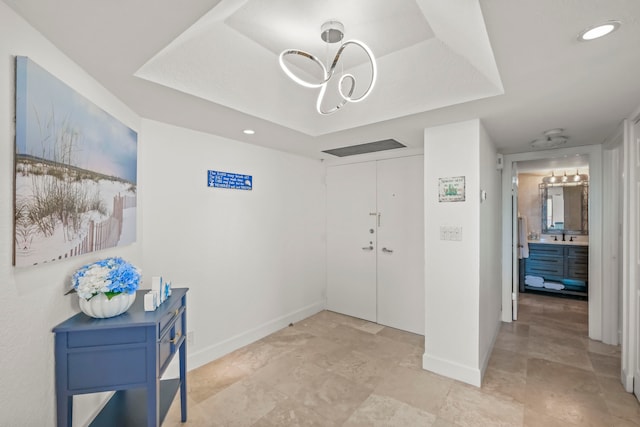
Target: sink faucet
x: 571, y: 239
x: 563, y: 237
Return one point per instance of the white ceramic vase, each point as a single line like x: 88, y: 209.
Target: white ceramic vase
x: 101, y: 307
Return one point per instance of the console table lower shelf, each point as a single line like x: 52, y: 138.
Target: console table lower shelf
x: 123, y: 409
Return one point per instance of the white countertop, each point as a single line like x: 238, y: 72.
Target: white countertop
x: 581, y: 241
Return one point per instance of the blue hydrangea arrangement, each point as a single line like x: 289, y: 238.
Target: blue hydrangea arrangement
x: 110, y: 276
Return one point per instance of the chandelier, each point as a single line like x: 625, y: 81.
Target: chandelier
x: 332, y: 32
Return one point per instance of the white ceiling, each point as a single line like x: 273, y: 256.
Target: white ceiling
x: 212, y: 65
x: 230, y: 57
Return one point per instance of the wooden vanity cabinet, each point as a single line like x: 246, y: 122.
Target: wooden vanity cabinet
x: 568, y: 264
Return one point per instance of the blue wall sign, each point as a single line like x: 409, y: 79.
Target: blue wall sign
x: 229, y: 180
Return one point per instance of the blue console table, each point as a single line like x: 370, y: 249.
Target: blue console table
x: 127, y: 354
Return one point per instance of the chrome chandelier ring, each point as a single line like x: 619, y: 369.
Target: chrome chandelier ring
x: 349, y: 79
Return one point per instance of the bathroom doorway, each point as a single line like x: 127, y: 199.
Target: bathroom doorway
x: 510, y: 287
x: 553, y: 226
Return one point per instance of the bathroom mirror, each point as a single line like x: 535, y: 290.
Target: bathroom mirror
x: 565, y: 208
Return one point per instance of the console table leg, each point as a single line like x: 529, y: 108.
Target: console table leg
x: 64, y: 408
x: 183, y: 381
x: 153, y: 404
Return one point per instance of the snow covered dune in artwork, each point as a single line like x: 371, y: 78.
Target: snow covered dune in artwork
x: 76, y: 167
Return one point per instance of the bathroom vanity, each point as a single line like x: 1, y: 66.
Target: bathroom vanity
x: 566, y: 262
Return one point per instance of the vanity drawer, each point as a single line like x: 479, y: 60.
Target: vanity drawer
x: 545, y: 269
x: 578, y: 272
x: 541, y: 249
x: 578, y: 252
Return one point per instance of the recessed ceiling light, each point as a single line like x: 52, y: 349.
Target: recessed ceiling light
x: 598, y: 31
x: 249, y: 131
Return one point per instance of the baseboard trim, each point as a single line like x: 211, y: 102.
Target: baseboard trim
x: 487, y: 356
x: 627, y: 380
x: 451, y: 369
x: 215, y: 351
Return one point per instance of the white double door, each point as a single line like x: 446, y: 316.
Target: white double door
x: 375, y: 241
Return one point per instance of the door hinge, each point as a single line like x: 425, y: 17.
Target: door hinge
x: 513, y: 296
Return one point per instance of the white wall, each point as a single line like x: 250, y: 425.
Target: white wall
x: 452, y: 268
x: 253, y: 260
x: 490, y: 246
x: 32, y: 299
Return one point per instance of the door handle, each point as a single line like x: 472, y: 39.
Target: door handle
x: 367, y: 248
x: 388, y: 251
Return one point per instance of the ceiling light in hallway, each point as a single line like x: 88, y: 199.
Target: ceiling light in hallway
x: 598, y: 31
x: 552, y: 138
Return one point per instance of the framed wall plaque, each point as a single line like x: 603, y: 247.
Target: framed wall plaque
x: 451, y: 189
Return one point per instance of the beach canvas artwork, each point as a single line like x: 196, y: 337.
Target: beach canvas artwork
x: 75, y: 172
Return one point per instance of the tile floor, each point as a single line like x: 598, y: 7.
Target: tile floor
x: 335, y: 370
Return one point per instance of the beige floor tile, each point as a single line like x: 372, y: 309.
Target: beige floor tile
x: 402, y: 336
x: 293, y: 414
x: 421, y: 389
x: 386, y: 411
x: 573, y: 407
x: 240, y: 404
x: 322, y: 352
x: 289, y: 375
x: 512, y: 342
x: 508, y: 361
x: 361, y: 368
x: 333, y: 396
x: 558, y: 336
x: 213, y: 377
x: 607, y: 366
x: 620, y: 403
x: 559, y: 377
x: 544, y: 348
x: 412, y: 359
x: 469, y: 406
x: 602, y: 348
x: 441, y: 422
x: 532, y: 418
x: 517, y: 328
x: 504, y: 385
x: 251, y: 357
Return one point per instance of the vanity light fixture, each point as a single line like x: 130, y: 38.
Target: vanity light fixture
x: 552, y: 179
x: 597, y: 31
x: 578, y: 178
x: 249, y: 131
x: 332, y: 32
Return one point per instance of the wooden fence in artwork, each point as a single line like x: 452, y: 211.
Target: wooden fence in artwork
x: 105, y: 234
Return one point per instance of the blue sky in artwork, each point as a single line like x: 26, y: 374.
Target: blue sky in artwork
x: 55, y: 113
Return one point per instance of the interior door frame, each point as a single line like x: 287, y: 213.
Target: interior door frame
x: 595, y: 230
x: 515, y: 262
x: 612, y: 253
x: 631, y: 258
